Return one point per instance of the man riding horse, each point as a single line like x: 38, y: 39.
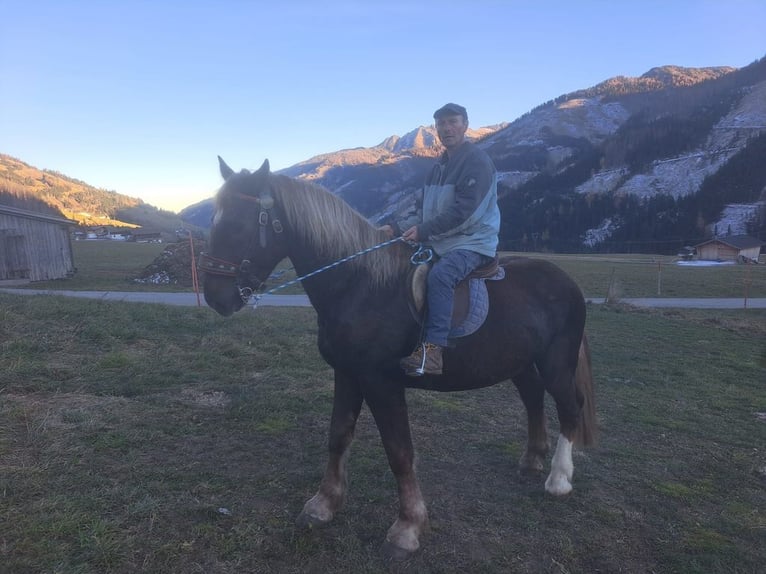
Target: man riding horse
x: 456, y: 214
x: 533, y: 333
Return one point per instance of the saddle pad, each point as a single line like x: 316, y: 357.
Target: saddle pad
x: 478, y: 306
x: 471, y: 301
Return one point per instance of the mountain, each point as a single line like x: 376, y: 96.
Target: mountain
x: 631, y: 164
x: 27, y: 187
x: 625, y: 167
x: 361, y: 175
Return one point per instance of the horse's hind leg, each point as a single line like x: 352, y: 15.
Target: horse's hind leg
x: 321, y: 508
x: 558, y: 371
x: 532, y: 392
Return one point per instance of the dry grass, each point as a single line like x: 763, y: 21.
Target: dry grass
x: 617, y: 276
x: 140, y: 438
x: 111, y: 266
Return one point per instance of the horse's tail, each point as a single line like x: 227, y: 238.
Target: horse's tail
x: 587, y: 431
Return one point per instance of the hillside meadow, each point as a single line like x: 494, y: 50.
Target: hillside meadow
x: 27, y: 187
x: 149, y: 438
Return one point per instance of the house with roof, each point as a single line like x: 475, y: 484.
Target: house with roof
x: 142, y: 235
x: 740, y: 248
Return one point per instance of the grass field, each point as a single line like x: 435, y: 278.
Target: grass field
x: 111, y: 266
x: 148, y: 438
x: 107, y: 266
x: 659, y: 276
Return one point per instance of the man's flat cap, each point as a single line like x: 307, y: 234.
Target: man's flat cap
x: 450, y: 110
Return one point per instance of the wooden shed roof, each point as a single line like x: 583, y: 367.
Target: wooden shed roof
x: 736, y: 241
x: 8, y: 210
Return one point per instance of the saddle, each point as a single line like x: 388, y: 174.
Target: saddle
x: 471, y: 301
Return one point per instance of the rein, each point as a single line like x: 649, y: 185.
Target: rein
x: 215, y: 266
x: 421, y: 255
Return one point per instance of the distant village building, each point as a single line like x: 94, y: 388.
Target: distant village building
x: 145, y: 236
x: 740, y: 248
x: 109, y: 233
x: 34, y: 246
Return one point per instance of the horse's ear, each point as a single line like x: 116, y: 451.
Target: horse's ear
x: 264, y: 169
x: 226, y: 171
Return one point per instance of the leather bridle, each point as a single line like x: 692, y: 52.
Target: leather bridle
x: 246, y: 280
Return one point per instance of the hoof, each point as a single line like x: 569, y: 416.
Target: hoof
x: 531, y: 471
x: 531, y: 463
x: 308, y: 522
x: 394, y: 553
x: 558, y: 486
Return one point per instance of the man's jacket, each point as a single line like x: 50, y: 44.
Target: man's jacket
x: 458, y: 209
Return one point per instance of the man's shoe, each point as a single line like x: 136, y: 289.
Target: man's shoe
x: 426, y: 359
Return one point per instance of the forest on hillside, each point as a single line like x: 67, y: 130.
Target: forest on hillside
x: 546, y: 214
x: 46, y: 191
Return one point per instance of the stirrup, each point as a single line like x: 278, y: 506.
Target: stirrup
x: 417, y: 364
x: 421, y: 370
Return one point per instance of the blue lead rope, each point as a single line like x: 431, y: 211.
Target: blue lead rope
x: 421, y: 255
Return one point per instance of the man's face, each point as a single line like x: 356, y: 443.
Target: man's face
x: 451, y: 130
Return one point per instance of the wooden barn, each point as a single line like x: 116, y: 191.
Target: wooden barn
x: 34, y: 246
x: 740, y: 248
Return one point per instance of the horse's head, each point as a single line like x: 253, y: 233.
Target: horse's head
x: 246, y: 239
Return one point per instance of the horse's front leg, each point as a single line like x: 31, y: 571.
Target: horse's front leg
x: 321, y: 508
x: 389, y: 408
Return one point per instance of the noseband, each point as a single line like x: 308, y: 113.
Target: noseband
x: 246, y: 280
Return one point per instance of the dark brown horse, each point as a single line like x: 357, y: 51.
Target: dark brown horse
x: 533, y: 334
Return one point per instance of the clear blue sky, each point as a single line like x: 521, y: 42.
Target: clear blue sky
x: 139, y: 96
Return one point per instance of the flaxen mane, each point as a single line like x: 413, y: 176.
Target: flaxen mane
x: 315, y: 215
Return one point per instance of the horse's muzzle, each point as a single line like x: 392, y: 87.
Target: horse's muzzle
x: 222, y: 294
x: 219, y: 271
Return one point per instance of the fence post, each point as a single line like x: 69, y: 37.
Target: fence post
x: 659, y: 277
x: 610, y: 295
x: 195, y: 283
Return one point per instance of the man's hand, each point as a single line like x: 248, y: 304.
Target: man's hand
x: 387, y: 230
x: 411, y: 234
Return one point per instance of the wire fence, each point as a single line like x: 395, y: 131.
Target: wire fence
x: 621, y: 276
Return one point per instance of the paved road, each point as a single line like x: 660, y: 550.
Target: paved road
x: 184, y: 299
x: 190, y: 299
x: 691, y: 303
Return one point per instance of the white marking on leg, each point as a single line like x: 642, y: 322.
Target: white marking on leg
x: 559, y: 480
x: 217, y: 216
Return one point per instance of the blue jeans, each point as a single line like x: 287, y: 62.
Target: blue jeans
x: 446, y: 273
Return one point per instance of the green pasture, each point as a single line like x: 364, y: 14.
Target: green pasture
x: 623, y: 275
x: 149, y: 438
x: 107, y: 266
x: 112, y: 265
